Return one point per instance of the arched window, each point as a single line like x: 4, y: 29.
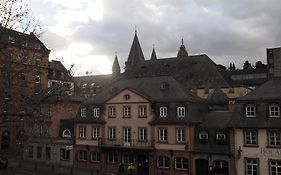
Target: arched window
x: 66, y: 133
x: 250, y: 110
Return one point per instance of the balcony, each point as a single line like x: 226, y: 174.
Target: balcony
x: 120, y: 143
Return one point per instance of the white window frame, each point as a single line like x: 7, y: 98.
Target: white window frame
x: 276, y: 165
x: 275, y: 138
x: 95, y: 156
x: 142, y: 111
x: 83, y: 112
x: 66, y: 133
x: 252, y: 166
x: 127, y: 111
x: 163, y: 161
x: 142, y: 134
x: 181, y: 163
x: 251, y: 137
x: 250, y: 110
x: 181, y: 111
x: 163, y: 111
x: 163, y: 135
x: 111, y: 132
x: 220, y: 136
x: 96, y: 112
x: 96, y: 133
x: 111, y: 111
x: 274, y: 110
x: 82, y: 155
x: 82, y: 132
x: 203, y: 135
x: 180, y: 135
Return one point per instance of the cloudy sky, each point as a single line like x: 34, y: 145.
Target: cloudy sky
x: 89, y: 32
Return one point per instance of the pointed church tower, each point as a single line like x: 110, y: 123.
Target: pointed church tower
x: 116, y: 66
x: 135, y: 55
x: 182, y: 52
x: 153, y: 55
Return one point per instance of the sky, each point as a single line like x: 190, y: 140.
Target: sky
x: 88, y: 33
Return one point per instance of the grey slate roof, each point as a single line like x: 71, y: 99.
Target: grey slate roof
x: 270, y: 90
x: 58, y: 67
x: 9, y: 36
x: 216, y: 119
x: 153, y: 55
x: 116, y: 66
x: 197, y: 71
x: 217, y: 98
x: 149, y: 87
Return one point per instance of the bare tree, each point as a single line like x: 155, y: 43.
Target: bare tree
x: 14, y: 14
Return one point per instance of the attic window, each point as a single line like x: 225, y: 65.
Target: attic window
x: 203, y: 135
x: 220, y: 136
x: 250, y: 110
x: 126, y: 97
x: 164, y: 86
x: 66, y: 133
x: 11, y: 39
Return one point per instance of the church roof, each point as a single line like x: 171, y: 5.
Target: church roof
x: 115, y: 66
x: 196, y: 71
x: 153, y: 55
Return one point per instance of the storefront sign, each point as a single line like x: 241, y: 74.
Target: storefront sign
x: 273, y: 152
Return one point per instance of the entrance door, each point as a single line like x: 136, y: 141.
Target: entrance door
x: 127, y: 136
x: 143, y: 164
x: 201, y: 167
x: 5, y: 140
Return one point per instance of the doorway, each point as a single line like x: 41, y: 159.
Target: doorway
x: 201, y: 167
x: 143, y: 164
x: 127, y: 136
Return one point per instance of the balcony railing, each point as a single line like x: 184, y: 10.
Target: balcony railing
x: 122, y: 143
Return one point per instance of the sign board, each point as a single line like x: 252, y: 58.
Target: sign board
x: 69, y: 147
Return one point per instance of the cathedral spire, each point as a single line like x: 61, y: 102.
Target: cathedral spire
x: 182, y: 52
x: 136, y: 54
x: 116, y: 66
x: 153, y: 54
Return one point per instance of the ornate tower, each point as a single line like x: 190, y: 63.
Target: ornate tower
x: 116, y: 66
x: 182, y: 52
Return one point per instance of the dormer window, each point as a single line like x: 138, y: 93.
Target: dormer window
x: 66, y: 133
x: 220, y: 136
x: 96, y: 112
x: 83, y: 112
x: 203, y: 135
x: 163, y: 111
x: 11, y: 39
x: 274, y: 110
x: 164, y: 86
x: 250, y: 110
x: 181, y: 111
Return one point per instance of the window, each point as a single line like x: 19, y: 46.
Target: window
x: 48, y: 153
x: 180, y: 135
x: 163, y: 137
x: 95, y: 156
x: 23, y: 76
x: 82, y: 132
x: 96, y: 112
x: 30, y: 151
x: 203, y: 135
x: 128, y: 158
x: 163, y: 111
x: 274, y: 110
x: 127, y: 111
x: 252, y: 166
x: 142, y: 134
x: 181, y: 163
x: 220, y: 137
x: 39, y: 152
x: 64, y: 154
x: 163, y: 162
x: 82, y: 156
x: 181, y: 111
x: 142, y: 111
x: 66, y: 133
x: 83, y: 112
x: 112, y: 111
x: 112, y: 157
x: 250, y: 111
x: 274, y: 138
x: 126, y: 97
x: 37, y: 78
x: 220, y: 166
x: 112, y: 133
x: 38, y: 61
x: 250, y: 137
x: 96, y: 133
x: 275, y: 167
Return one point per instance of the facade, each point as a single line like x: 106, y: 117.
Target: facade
x: 51, y: 135
x: 140, y: 121
x: 23, y: 73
